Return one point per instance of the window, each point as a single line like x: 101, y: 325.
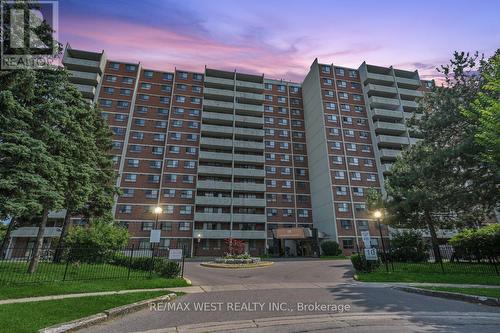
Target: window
x: 345, y: 107
x: 358, y: 108
x: 341, y: 84
x: 133, y: 163
x: 355, y: 85
x: 189, y: 164
x: 175, y: 149
x: 337, y: 159
x: 125, y: 209
x: 363, y: 225
x: 135, y: 148
x: 159, y: 137
x: 114, y: 65
x: 281, y: 99
x: 327, y: 82
x: 161, y: 124
x: 340, y: 71
x: 339, y: 175
x: 130, y: 177
x: 172, y: 163
x: 268, y: 86
x: 343, y: 95
x: 128, y: 80
x: 343, y: 207
x: 186, y: 210
x: 128, y: 193
x: 183, y: 75
x: 148, y: 74
x: 346, y: 224
x: 144, y: 97
x: 180, y: 99
x: 169, y: 178
x: 349, y: 133
x: 109, y: 90
x: 331, y: 118
x: 139, y: 122
x: 353, y: 73
x: 371, y: 178
x: 120, y: 117
x: 330, y: 106
x: 348, y: 244
x: 358, y: 191
x: 168, y: 76
x: 155, y: 164
x: 187, y: 194
x: 164, y: 100
x: 197, y: 77
x: 151, y: 194
x: 184, y: 226
x: 347, y: 120
x: 356, y: 176
x: 130, y: 68
x: 281, y: 88
x: 351, y: 146
x: 356, y: 97
x: 111, y: 78
x: 141, y: 109
x: 195, y: 100
x: 122, y: 104
x: 166, y: 226
x: 154, y: 179
x: 341, y: 190
x: 169, y: 193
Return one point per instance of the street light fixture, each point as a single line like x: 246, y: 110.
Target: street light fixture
x: 158, y: 211
x: 378, y: 215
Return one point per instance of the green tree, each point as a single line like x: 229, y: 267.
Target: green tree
x: 443, y: 180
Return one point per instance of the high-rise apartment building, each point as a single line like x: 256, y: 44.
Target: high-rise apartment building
x: 226, y: 154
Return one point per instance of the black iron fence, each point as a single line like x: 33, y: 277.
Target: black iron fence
x: 445, y: 260
x: 79, y: 264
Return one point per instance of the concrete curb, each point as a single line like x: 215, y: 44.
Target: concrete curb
x: 491, y: 301
x: 105, y: 315
x: 238, y: 266
x: 189, y: 282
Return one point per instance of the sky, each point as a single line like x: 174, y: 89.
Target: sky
x: 281, y: 38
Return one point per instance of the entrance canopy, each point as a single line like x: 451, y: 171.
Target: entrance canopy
x: 292, y: 233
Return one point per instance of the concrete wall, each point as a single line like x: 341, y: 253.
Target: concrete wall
x: 317, y: 151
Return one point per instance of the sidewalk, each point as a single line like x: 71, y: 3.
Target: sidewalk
x: 237, y: 287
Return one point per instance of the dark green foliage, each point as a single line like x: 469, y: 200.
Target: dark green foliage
x: 360, y: 263
x: 477, y: 244
x: 96, y: 243
x: 167, y: 269
x: 408, y: 246
x: 163, y: 267
x: 330, y: 248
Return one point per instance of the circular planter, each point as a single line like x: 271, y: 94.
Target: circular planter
x: 237, y: 263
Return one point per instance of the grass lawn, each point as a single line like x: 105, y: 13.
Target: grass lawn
x: 30, y: 317
x: 489, y: 292
x: 47, y: 272
x: 429, y: 277
x: 339, y: 257
x: 70, y: 287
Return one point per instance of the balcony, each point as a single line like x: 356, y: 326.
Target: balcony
x: 217, y: 82
x: 245, y: 97
x: 212, y: 217
x: 392, y: 141
x: 86, y: 91
x: 249, y: 202
x: 249, y: 132
x: 410, y: 115
x: 249, y: 145
x: 249, y: 218
x: 84, y: 65
x: 383, y: 102
x: 249, y: 86
x: 253, y: 173
x: 213, y: 185
x: 214, y: 170
x: 78, y: 77
x: 216, y: 143
x: 386, y: 168
x: 249, y: 187
x: 217, y: 130
x: 213, y: 201
x: 379, y: 78
x: 33, y: 231
x: 377, y: 89
x: 249, y: 109
x: 211, y: 105
x: 410, y: 92
x: 249, y: 121
x: 409, y: 105
x: 389, y: 154
x: 384, y: 114
x: 215, y: 156
x: 218, y: 118
x: 403, y: 81
x: 251, y: 159
x: 219, y: 94
x: 382, y: 127
x: 414, y: 141
x: 223, y: 234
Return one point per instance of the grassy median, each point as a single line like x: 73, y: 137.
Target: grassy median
x: 33, y: 316
x: 488, y: 292
x: 455, y: 278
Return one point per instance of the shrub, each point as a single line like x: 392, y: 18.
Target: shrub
x: 96, y: 243
x: 167, y: 269
x: 238, y: 256
x: 234, y: 246
x: 408, y: 246
x: 330, y: 248
x: 360, y: 263
x: 477, y: 243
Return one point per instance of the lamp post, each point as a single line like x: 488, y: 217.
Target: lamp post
x: 378, y: 214
x: 198, y: 237
x: 158, y: 211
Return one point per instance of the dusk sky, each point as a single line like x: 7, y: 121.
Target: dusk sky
x: 281, y: 38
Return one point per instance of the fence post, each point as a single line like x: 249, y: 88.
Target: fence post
x: 66, y: 269
x: 130, y: 261
x: 152, y: 261
x: 182, y: 269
